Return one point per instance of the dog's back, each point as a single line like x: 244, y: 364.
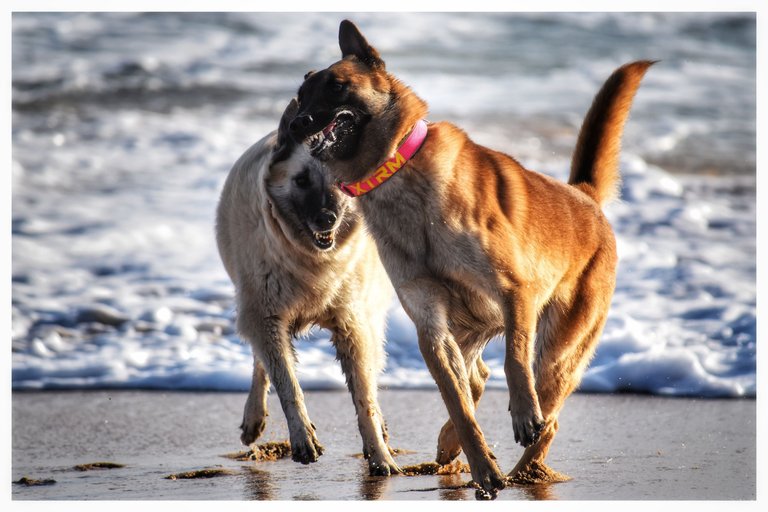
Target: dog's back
x: 238, y: 216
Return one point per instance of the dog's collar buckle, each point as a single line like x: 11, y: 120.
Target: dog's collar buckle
x: 407, y: 149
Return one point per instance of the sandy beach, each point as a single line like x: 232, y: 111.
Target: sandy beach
x: 615, y: 447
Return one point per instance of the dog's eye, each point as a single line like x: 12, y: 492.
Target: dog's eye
x: 338, y: 86
x: 302, y: 180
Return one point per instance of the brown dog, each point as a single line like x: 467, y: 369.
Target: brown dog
x: 298, y: 254
x: 476, y: 245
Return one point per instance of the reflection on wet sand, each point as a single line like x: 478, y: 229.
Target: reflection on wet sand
x: 453, y: 487
x: 258, y: 484
x: 537, y: 492
x: 373, y: 487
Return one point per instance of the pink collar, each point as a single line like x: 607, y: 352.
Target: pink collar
x: 393, y: 164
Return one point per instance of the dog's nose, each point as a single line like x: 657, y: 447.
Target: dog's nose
x: 300, y: 123
x: 325, y: 220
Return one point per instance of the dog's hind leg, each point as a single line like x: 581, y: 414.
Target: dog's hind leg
x: 557, y: 377
x: 448, y: 446
x: 359, y: 349
x: 426, y: 302
x: 255, y: 413
x: 272, y: 345
x: 566, y: 339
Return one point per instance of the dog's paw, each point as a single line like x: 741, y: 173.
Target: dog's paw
x: 383, y: 468
x: 448, y: 446
x: 306, y: 451
x: 527, y: 429
x: 447, y: 455
x: 252, y: 430
x: 380, y: 461
x: 483, y: 495
x: 489, y: 484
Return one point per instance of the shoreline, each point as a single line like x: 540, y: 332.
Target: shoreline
x: 645, y: 448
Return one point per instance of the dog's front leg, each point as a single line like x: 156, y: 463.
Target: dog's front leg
x: 520, y: 319
x: 255, y: 413
x: 272, y: 345
x: 358, y: 349
x: 426, y: 301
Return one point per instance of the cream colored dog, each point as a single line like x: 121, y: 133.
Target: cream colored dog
x: 297, y: 253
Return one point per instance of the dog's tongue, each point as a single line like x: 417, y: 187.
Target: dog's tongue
x: 329, y: 128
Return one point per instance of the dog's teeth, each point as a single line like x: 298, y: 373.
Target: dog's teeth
x: 325, y: 238
x: 316, y: 140
x: 323, y: 139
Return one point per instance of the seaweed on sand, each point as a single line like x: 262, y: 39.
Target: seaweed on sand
x: 266, y: 452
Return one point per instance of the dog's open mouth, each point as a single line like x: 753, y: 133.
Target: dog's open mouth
x: 328, y: 136
x: 323, y: 239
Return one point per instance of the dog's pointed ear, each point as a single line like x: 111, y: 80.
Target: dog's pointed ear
x: 285, y: 143
x: 352, y: 42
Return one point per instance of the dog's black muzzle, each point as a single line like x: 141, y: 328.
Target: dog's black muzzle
x: 325, y: 220
x: 300, y: 127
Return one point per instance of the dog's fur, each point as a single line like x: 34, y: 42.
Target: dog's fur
x: 298, y: 254
x: 476, y: 245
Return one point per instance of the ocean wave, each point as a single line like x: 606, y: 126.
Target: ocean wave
x: 125, y: 125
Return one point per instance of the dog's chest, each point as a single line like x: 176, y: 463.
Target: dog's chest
x: 414, y: 236
x: 416, y: 241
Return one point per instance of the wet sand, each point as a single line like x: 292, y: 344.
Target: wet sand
x: 615, y: 447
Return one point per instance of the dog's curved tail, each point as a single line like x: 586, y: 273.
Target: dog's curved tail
x: 595, y: 162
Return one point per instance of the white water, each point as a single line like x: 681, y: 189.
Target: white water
x: 124, y: 127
